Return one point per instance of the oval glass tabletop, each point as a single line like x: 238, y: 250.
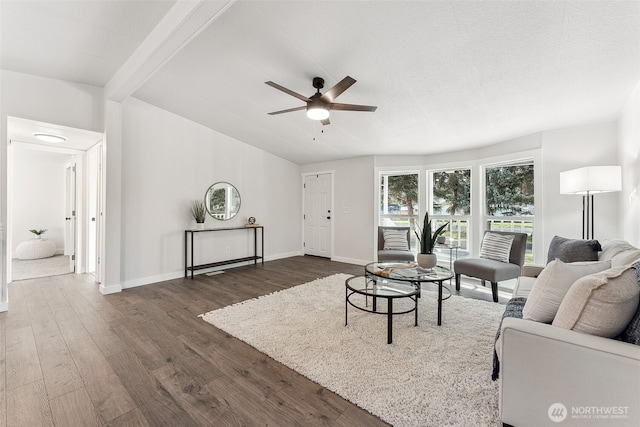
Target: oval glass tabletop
x: 408, y: 271
x: 365, y: 286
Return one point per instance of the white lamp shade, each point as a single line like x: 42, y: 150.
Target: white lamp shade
x: 591, y: 179
x: 317, y: 112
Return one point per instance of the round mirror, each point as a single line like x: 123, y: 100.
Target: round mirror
x: 222, y: 201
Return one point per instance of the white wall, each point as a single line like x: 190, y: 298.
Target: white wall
x: 353, y: 203
x: 630, y: 161
x: 51, y: 101
x: 561, y: 150
x: 168, y: 161
x: 566, y: 149
x: 38, y: 195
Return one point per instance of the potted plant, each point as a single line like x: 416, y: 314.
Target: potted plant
x: 38, y: 233
x: 427, y: 239
x: 198, y: 212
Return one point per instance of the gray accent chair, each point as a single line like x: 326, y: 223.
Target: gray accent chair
x: 394, y: 255
x: 491, y: 270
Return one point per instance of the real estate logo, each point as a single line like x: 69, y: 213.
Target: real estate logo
x: 557, y: 412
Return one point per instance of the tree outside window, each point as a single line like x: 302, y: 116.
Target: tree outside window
x: 452, y: 192
x: 399, y: 194
x: 509, y: 190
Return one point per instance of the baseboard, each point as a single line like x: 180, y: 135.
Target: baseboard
x: 350, y: 260
x: 143, y: 281
x: 4, y: 306
x: 149, y: 280
x: 282, y: 256
x: 111, y: 289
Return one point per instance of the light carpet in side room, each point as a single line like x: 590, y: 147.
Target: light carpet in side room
x: 43, y: 267
x: 429, y: 375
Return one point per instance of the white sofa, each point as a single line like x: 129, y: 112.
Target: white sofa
x: 578, y: 379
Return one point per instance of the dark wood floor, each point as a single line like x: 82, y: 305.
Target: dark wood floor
x: 70, y: 356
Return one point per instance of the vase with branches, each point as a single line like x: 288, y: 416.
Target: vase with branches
x: 427, y: 240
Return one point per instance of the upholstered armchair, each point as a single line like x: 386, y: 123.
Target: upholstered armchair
x: 497, y: 260
x: 394, y: 244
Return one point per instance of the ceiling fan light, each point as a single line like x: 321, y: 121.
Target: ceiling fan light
x: 317, y: 112
x: 47, y: 137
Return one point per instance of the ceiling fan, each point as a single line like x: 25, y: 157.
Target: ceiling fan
x: 318, y: 104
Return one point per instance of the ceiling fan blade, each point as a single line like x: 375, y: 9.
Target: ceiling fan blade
x: 352, y: 107
x: 325, y: 122
x: 304, y: 107
x: 290, y: 92
x: 335, y: 91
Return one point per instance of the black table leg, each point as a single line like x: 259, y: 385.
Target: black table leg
x: 346, y: 304
x: 439, y: 302
x: 389, y: 320
x: 191, y: 255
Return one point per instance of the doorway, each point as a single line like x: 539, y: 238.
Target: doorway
x: 318, y: 214
x: 49, y: 189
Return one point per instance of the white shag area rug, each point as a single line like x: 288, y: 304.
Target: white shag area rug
x: 429, y: 376
x: 44, y: 267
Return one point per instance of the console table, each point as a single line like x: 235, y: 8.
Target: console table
x: 190, y: 233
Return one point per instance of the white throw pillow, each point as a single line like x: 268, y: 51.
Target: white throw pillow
x: 600, y: 304
x: 625, y: 258
x: 552, y: 285
x: 496, y: 246
x: 395, y: 240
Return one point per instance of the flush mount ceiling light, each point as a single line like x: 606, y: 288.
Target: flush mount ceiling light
x: 47, y: 137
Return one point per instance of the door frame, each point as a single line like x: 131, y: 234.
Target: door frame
x: 81, y: 222
x: 333, y: 211
x: 77, y: 160
x: 96, y: 151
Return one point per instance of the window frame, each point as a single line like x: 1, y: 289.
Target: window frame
x: 439, y: 218
x: 475, y: 160
x: 488, y: 220
x: 416, y: 214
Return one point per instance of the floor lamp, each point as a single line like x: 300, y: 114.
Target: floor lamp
x: 587, y: 181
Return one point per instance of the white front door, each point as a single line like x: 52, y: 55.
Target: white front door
x: 70, y: 215
x: 317, y: 214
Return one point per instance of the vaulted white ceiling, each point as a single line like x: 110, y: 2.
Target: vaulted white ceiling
x: 445, y: 75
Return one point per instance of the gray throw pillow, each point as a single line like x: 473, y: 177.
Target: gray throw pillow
x: 631, y: 334
x: 573, y: 250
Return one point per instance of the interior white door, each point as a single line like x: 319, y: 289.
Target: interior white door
x: 317, y: 214
x: 70, y: 216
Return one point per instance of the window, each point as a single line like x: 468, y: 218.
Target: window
x: 509, y: 196
x: 399, y: 199
x: 451, y: 201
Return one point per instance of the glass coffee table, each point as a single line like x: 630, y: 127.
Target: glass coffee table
x: 364, y: 285
x: 410, y: 273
